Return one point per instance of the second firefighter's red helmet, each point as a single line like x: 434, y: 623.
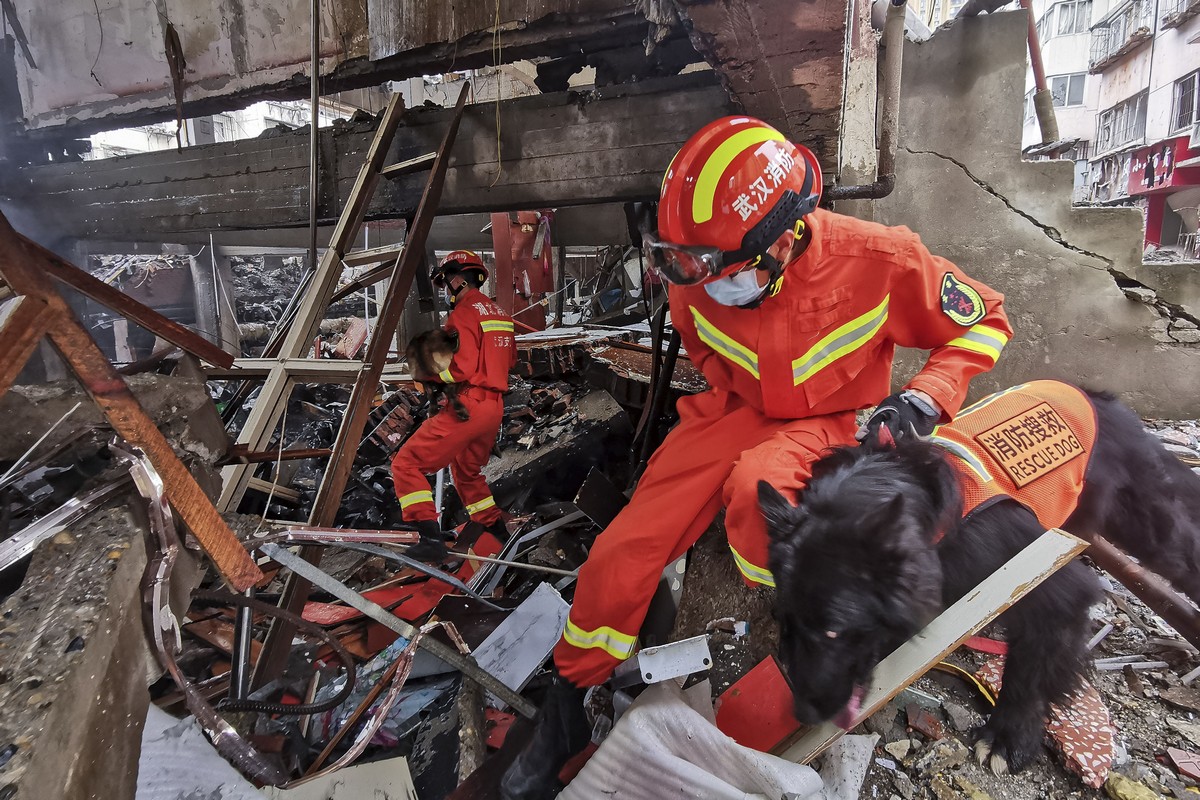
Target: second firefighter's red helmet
x: 467, y: 262
x: 735, y: 186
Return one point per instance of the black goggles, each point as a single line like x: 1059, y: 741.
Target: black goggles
x: 685, y: 264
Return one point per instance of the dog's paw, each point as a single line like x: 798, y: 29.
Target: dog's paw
x: 1004, y: 749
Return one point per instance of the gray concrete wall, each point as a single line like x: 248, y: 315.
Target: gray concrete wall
x: 961, y: 184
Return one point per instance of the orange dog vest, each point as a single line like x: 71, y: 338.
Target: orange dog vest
x: 1031, y: 443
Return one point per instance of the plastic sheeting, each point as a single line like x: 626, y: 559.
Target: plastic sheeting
x: 667, y: 745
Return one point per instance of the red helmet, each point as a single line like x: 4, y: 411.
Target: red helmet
x: 730, y: 192
x: 465, y: 262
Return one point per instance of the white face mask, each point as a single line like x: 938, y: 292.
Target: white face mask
x: 738, y: 289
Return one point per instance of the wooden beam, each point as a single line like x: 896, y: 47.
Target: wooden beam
x: 127, y: 307
x: 410, y: 165
x: 26, y: 323
x: 1038, y: 561
x: 562, y: 149
x: 25, y: 269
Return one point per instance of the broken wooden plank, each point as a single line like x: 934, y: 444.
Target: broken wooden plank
x: 25, y: 270
x: 284, y: 493
x: 126, y: 306
x: 410, y: 165
x: 375, y: 255
x: 239, y: 454
x: 26, y: 322
x: 1024, y: 571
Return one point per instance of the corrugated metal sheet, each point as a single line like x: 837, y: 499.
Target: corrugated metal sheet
x: 663, y: 747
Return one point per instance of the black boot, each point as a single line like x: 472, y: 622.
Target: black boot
x: 499, y: 529
x: 560, y: 731
x: 432, y: 547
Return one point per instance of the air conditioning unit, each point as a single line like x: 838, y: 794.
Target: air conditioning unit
x: 1194, y: 139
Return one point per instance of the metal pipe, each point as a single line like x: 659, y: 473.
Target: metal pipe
x: 243, y: 634
x: 889, y: 99
x: 1150, y: 588
x: 1043, y: 101
x: 313, y: 137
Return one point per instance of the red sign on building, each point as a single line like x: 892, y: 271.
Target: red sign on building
x: 1155, y: 169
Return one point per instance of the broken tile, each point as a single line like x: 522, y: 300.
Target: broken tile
x: 1187, y: 763
x: 898, y: 749
x: 925, y: 722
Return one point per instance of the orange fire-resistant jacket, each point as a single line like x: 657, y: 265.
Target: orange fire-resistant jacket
x: 786, y: 379
x: 1031, y: 443
x: 486, y: 343
x: 825, y: 342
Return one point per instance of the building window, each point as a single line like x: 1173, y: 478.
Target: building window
x: 1187, y: 102
x: 1030, y: 112
x: 1074, y: 17
x: 1067, y: 90
x: 1120, y: 32
x: 1065, y: 19
x: 1123, y: 123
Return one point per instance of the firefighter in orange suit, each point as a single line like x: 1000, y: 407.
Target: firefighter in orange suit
x: 486, y: 352
x: 793, y: 314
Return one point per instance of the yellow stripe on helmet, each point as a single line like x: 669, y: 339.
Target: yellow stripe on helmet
x: 710, y: 174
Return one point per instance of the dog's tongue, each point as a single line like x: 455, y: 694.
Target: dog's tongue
x: 846, y: 718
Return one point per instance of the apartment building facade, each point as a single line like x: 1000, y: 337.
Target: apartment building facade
x: 1124, y: 77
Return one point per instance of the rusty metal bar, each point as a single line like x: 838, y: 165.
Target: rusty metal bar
x: 329, y: 495
x: 19, y: 336
x: 126, y: 306
x: 1149, y: 587
x: 25, y: 268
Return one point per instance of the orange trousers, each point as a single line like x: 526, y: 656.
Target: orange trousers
x: 714, y: 457
x: 463, y: 445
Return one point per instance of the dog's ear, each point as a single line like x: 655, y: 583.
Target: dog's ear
x: 781, y: 516
x: 454, y: 340
x: 880, y: 518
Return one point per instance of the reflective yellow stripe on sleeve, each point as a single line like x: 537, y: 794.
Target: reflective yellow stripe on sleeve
x: 496, y: 325
x: 482, y: 505
x: 616, y: 644
x: 751, y: 572
x: 411, y: 499
x: 445, y: 377
x: 724, y: 345
x: 843, y: 341
x: 982, y: 339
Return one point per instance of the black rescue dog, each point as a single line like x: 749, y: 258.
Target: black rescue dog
x: 430, y: 353
x: 878, y: 546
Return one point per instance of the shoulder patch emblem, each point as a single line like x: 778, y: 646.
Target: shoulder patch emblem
x: 960, y: 302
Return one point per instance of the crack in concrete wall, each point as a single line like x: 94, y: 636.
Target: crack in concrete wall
x: 1051, y: 232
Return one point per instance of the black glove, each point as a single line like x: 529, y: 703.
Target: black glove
x: 902, y: 414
